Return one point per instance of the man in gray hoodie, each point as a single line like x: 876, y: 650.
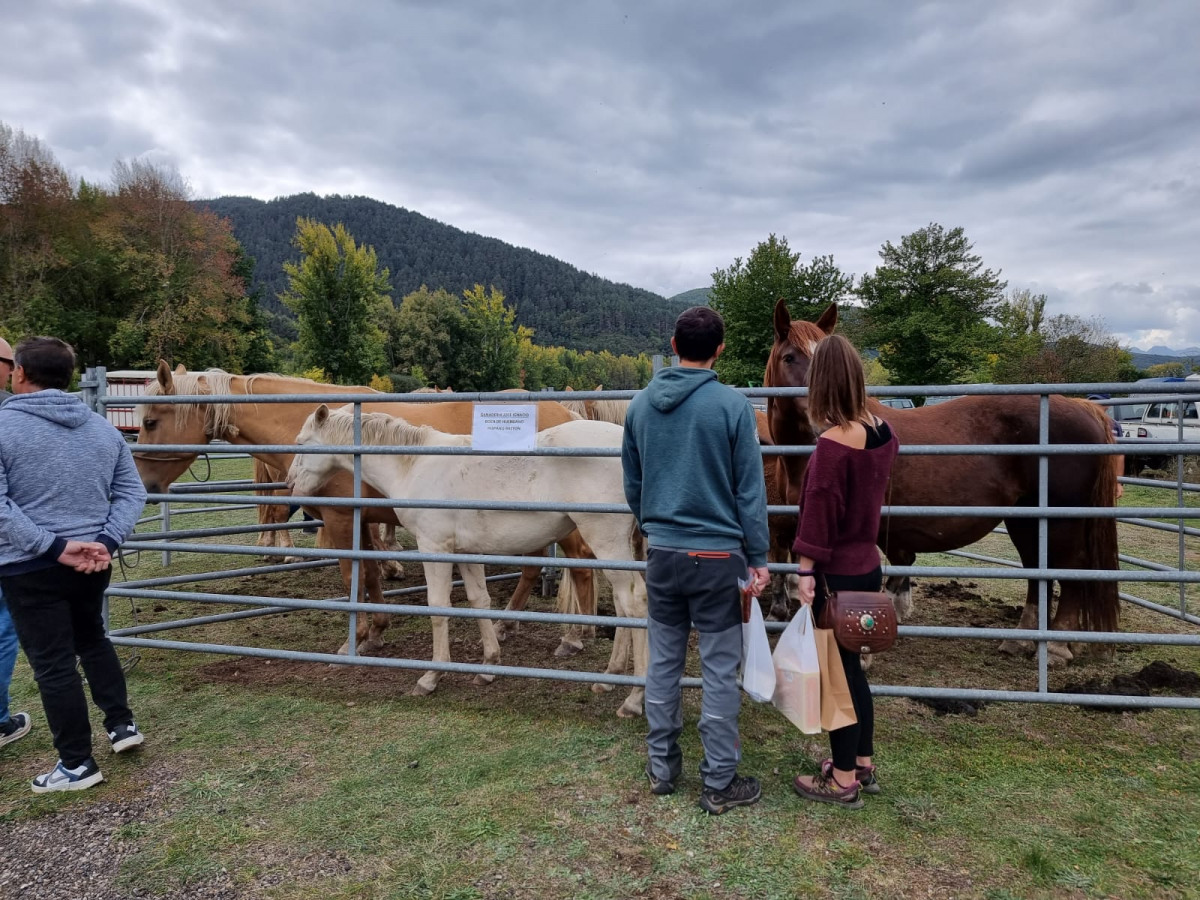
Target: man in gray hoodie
x: 694, y: 480
x: 69, y: 495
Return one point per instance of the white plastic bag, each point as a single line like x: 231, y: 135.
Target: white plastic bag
x: 798, y: 673
x: 758, y: 671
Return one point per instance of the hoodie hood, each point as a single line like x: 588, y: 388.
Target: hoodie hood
x: 673, y: 385
x: 53, y: 406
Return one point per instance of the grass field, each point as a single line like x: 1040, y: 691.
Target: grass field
x: 282, y: 780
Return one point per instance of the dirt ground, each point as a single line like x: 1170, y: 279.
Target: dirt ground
x: 925, y: 662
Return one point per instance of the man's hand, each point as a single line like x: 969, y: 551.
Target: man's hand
x: 759, y: 579
x: 86, y: 556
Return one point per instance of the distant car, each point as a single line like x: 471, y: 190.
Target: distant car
x: 933, y: 401
x: 897, y: 402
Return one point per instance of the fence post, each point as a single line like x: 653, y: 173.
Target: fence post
x: 166, y: 530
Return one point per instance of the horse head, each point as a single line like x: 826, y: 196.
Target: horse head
x: 166, y: 423
x: 309, y: 471
x: 787, y: 366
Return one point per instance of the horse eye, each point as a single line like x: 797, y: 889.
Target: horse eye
x: 149, y: 424
x: 789, y: 358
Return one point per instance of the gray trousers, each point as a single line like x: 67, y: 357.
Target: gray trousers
x: 684, y: 589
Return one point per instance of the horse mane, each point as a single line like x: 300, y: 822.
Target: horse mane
x: 599, y: 410
x: 381, y: 429
x: 218, y: 417
x: 802, y: 335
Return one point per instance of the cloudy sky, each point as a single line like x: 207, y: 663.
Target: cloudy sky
x: 653, y: 142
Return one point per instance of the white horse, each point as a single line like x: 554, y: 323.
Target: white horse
x: 543, y: 479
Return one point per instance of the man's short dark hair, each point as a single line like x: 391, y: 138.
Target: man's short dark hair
x: 699, y: 331
x: 47, y: 361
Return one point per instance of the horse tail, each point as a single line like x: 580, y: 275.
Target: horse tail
x: 1101, y: 609
x: 567, y: 601
x: 637, y: 542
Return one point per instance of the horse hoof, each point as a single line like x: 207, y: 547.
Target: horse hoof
x: 369, y: 647
x: 1058, y: 655
x: 601, y: 688
x: 567, y: 648
x: 344, y: 650
x: 482, y: 680
x: 420, y: 690
x: 1017, y: 648
x: 392, y: 571
x: 293, y: 559
x: 625, y: 711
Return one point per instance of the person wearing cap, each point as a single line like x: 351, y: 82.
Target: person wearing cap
x: 13, y: 726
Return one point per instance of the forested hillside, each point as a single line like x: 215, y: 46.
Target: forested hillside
x: 563, y: 305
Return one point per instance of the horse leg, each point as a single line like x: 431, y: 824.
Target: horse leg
x: 283, y: 537
x: 1023, y: 533
x: 478, y: 597
x: 384, y: 538
x: 629, y: 597
x: 518, y: 601
x: 438, y: 577
x: 577, y: 594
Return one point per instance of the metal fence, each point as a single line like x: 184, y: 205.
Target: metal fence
x: 352, y: 605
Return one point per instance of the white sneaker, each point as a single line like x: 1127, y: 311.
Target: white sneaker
x: 15, y: 728
x: 64, y: 779
x: 125, y: 736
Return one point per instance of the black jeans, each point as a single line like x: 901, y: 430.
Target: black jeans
x: 858, y: 739
x: 58, y: 615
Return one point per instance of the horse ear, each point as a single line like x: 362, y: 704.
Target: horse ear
x: 321, y: 414
x: 783, y: 320
x: 165, y: 382
x: 828, y: 320
x: 180, y: 370
x: 598, y: 387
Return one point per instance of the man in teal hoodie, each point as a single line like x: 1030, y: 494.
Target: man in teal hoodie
x: 694, y: 480
x: 69, y: 495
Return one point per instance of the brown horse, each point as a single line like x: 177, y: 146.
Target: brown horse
x: 785, y: 589
x: 1089, y: 543
x: 279, y: 423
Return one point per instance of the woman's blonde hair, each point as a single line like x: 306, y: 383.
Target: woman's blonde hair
x: 837, y: 389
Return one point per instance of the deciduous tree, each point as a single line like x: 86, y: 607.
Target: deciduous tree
x: 927, y: 307
x: 745, y: 295
x: 335, y: 290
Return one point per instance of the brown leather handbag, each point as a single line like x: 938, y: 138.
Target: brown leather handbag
x: 862, y: 621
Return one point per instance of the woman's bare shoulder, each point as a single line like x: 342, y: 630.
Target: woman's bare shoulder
x: 853, y: 435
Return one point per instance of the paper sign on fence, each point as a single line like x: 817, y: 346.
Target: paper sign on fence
x: 504, y: 426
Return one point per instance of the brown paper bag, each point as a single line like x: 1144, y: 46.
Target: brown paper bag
x: 837, y: 707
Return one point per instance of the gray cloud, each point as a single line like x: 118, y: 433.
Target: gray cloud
x: 653, y: 143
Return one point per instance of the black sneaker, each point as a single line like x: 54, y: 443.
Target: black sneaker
x: 742, y: 791
x: 15, y: 728
x: 60, y: 778
x: 124, y: 737
x: 660, y: 786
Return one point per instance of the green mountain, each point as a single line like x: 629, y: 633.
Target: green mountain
x: 694, y: 297
x: 563, y: 305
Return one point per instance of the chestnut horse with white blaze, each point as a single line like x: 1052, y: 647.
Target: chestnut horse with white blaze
x: 975, y: 480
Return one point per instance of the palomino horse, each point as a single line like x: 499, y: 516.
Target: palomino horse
x: 278, y: 423
x: 541, y: 479
x: 272, y: 514
x: 1087, y: 543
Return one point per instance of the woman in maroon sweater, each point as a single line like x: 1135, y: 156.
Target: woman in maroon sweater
x: 840, y: 502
